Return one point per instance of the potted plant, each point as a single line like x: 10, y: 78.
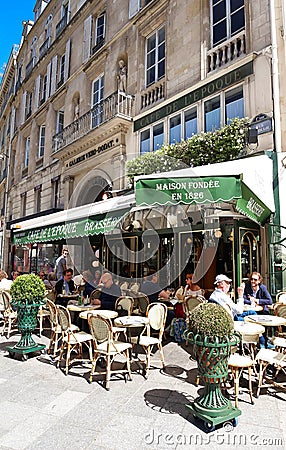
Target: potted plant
x: 28, y: 293
x: 212, y: 333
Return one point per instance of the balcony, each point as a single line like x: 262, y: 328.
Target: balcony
x: 153, y: 94
x: 118, y: 104
x: 44, y: 48
x: 61, y: 25
x: 226, y: 52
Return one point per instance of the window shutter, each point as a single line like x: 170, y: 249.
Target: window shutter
x: 86, y: 38
x: 37, y: 92
x: 67, y: 61
x: 49, y: 69
x: 134, y: 6
x: 24, y: 100
x: 54, y: 74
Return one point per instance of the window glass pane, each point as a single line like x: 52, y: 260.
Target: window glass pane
x: 161, y: 52
x: 145, y: 141
x: 234, y: 104
x: 151, y: 59
x: 161, y: 69
x: 175, y: 129
x: 237, y: 21
x: 212, y: 114
x: 158, y: 136
x: 219, y: 32
x: 191, y: 126
x: 235, y: 4
x: 219, y: 11
x: 151, y: 76
x: 151, y: 43
x: 161, y: 35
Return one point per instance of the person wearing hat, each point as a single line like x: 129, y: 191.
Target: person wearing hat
x: 220, y: 296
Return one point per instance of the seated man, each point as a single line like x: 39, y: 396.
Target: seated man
x: 109, y: 292
x: 221, y: 297
x: 64, y: 286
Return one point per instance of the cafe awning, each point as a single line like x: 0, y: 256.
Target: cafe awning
x: 247, y: 183
x: 87, y: 220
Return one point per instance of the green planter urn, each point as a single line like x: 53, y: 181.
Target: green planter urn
x: 28, y: 293
x: 212, y: 335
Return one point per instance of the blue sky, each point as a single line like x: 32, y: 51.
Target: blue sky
x: 12, y: 15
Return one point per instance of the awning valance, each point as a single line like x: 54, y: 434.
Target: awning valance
x: 200, y: 186
x: 88, y: 220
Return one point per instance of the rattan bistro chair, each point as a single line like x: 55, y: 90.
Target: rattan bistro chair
x: 9, y: 316
x: 157, y: 314
x: 107, y: 347
x: 272, y: 358
x: 124, y: 304
x: 141, y: 302
x: 71, y: 340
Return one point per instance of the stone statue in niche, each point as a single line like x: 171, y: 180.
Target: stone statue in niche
x: 122, y: 76
x: 76, y: 109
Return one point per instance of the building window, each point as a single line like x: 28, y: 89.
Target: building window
x: 155, y: 56
x: 152, y: 139
x: 27, y: 151
x: 212, y: 114
x: 234, y: 104
x: 34, y: 49
x: 41, y: 150
x: 60, y: 121
x: 96, y: 101
x: 48, y: 27
x: 29, y: 102
x: 227, y: 19
x: 23, y: 204
x: 221, y: 109
x: 190, y: 123
x: 62, y: 70
x: 99, y: 29
x: 55, y: 192
x: 38, y: 192
x: 44, y: 89
x: 175, y: 129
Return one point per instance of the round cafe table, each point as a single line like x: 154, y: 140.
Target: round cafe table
x: 80, y: 308
x: 256, y: 308
x: 266, y: 320
x: 105, y: 313
x: 248, y: 328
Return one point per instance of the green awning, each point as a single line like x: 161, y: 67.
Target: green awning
x: 88, y: 226
x: 200, y: 190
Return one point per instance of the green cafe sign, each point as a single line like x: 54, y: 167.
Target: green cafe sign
x: 194, y: 96
x: 212, y: 189
x: 88, y: 226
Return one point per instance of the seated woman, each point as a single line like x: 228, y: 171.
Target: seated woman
x: 192, y: 288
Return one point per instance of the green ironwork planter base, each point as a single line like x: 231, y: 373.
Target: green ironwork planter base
x: 206, y: 415
x: 25, y: 350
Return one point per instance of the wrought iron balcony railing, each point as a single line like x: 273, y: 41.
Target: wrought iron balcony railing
x: 61, y: 25
x: 118, y: 104
x: 44, y: 48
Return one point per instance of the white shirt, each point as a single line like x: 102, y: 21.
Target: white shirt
x: 225, y: 301
x: 5, y: 284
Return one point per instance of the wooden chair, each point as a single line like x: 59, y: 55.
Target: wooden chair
x: 43, y: 314
x: 72, y: 340
x: 124, y: 303
x: 56, y: 331
x: 9, y: 316
x: 141, y: 302
x: 192, y: 301
x: 280, y: 311
x: 273, y: 358
x: 237, y: 363
x: 281, y: 297
x: 106, y: 346
x: 157, y: 314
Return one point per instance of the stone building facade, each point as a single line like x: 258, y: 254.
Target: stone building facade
x: 94, y: 84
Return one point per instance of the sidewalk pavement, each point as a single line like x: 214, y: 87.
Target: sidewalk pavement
x: 41, y: 408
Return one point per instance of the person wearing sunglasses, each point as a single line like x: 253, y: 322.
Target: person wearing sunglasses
x: 221, y: 297
x: 256, y: 293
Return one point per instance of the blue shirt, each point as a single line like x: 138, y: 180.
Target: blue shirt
x: 108, y: 296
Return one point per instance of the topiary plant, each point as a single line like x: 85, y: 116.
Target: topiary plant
x: 28, y: 289
x: 211, y: 321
